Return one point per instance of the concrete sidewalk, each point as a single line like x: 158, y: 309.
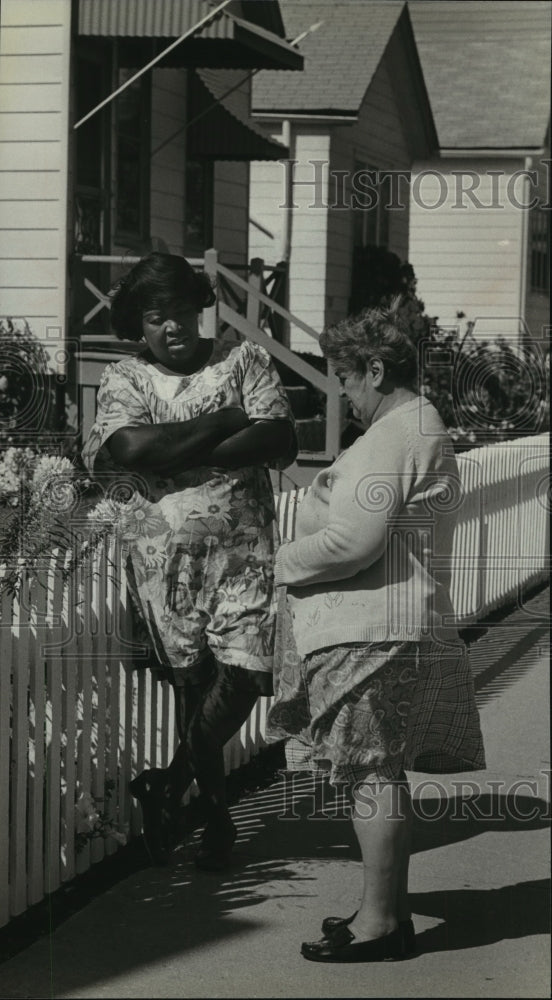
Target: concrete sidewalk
x: 479, y: 880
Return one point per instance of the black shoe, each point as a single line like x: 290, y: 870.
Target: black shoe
x: 216, y: 844
x: 342, y: 946
x: 156, y: 797
x: 406, y: 927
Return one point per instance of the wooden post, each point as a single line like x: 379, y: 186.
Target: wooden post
x: 255, y: 283
x: 333, y: 415
x: 210, y: 315
x: 280, y: 294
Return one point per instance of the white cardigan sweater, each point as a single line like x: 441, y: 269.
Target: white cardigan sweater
x: 371, y: 560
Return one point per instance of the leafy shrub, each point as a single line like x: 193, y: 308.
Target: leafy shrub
x: 485, y: 392
x: 379, y: 276
x: 28, y: 406
x: 23, y: 382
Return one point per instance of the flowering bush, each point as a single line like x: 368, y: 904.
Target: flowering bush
x: 38, y: 493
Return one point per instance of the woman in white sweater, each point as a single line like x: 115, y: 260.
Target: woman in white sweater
x: 374, y: 678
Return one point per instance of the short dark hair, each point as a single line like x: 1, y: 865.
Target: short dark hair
x: 373, y: 333
x: 152, y: 283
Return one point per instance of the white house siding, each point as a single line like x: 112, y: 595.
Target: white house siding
x: 34, y: 104
x: 322, y: 239
x: 231, y: 211
x: 267, y: 195
x: 377, y: 139
x: 468, y: 258
x: 309, y: 237
x: 307, y: 264
x: 168, y: 111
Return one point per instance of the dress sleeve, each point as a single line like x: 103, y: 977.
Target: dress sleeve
x: 120, y: 403
x: 263, y: 395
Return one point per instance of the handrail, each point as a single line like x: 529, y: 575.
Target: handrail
x: 242, y: 325
x: 90, y: 258
x: 230, y: 276
x: 250, y: 328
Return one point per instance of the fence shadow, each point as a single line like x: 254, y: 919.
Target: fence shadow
x: 156, y: 914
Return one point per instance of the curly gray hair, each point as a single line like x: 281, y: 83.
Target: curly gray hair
x: 374, y: 333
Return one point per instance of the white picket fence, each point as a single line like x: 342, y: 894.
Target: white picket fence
x: 78, y: 715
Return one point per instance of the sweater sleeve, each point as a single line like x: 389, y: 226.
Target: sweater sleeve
x: 371, y: 485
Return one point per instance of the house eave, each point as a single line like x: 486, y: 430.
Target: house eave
x: 492, y: 152
x: 226, y: 41
x: 314, y: 116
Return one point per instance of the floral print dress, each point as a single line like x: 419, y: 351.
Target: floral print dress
x: 201, y: 543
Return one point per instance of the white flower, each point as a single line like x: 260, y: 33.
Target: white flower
x: 49, y: 467
x: 107, y: 513
x: 9, y: 482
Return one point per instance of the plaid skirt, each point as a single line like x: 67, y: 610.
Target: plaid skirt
x: 369, y: 711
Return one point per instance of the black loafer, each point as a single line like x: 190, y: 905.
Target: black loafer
x: 406, y: 927
x: 342, y: 946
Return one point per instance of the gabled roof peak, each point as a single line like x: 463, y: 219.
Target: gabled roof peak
x: 487, y: 70
x: 341, y: 56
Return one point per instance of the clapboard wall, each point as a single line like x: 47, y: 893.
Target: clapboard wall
x: 469, y: 252
x: 34, y: 107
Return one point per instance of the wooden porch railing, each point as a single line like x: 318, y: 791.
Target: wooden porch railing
x: 251, y: 307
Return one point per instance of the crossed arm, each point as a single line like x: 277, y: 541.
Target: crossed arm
x: 225, y: 439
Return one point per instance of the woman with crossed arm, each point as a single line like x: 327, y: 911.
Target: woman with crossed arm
x: 196, y: 423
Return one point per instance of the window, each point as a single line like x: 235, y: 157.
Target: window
x: 198, y: 232
x: 371, y: 217
x: 540, y: 250
x: 132, y: 160
x: 91, y: 219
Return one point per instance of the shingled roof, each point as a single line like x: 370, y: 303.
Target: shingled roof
x: 341, y: 56
x: 487, y: 70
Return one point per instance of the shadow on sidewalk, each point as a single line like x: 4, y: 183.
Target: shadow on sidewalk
x: 473, y: 918
x: 286, y: 831
x: 503, y: 657
x: 157, y: 915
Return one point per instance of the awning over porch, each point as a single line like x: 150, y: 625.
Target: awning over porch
x: 227, y: 41
x: 224, y: 131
